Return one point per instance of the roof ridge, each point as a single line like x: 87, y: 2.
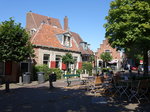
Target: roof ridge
x: 34, y: 20
x: 42, y: 15
x: 36, y: 33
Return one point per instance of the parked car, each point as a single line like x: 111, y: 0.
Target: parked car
x: 140, y: 68
x: 134, y: 68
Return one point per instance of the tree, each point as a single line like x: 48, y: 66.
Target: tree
x: 68, y: 59
x: 91, y: 58
x: 88, y: 67
x: 106, y: 57
x: 14, y: 42
x: 128, y: 26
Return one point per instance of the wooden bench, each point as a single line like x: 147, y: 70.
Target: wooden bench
x: 73, y: 78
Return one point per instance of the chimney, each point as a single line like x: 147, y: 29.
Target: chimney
x: 66, y: 23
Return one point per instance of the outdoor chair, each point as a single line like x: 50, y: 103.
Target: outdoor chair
x: 117, y: 85
x: 96, y: 86
x: 139, y: 90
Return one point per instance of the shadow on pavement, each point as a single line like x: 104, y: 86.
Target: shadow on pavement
x: 43, y: 99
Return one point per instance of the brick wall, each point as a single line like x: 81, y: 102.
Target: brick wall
x: 105, y: 46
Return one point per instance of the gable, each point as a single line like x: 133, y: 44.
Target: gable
x: 47, y: 36
x: 34, y: 21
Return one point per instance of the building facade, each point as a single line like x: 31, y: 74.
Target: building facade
x: 116, y: 55
x: 51, y: 41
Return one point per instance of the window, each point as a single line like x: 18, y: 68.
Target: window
x: 24, y: 67
x: 2, y: 68
x: 60, y: 38
x: 65, y: 40
x: 84, y: 45
x: 32, y: 31
x: 46, y: 58
x: 58, y: 59
x: 75, y: 62
x: 107, y: 50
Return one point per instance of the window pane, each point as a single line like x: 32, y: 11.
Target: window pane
x: 107, y: 50
x: 24, y: 67
x: 45, y: 62
x: 58, y: 58
x: 46, y: 57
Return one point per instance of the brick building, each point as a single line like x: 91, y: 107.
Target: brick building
x: 51, y: 41
x: 117, y: 55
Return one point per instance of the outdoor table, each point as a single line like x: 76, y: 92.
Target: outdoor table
x: 125, y: 85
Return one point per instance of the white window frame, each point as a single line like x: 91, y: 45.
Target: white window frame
x: 60, y: 61
x: 46, y: 60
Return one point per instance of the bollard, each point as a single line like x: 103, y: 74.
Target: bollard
x: 52, y: 78
x: 50, y: 81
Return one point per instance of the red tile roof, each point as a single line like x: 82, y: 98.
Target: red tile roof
x: 79, y: 40
x: 34, y: 21
x: 46, y: 36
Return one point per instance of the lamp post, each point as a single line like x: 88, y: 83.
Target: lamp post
x: 95, y: 54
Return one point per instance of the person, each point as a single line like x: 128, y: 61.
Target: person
x: 129, y: 68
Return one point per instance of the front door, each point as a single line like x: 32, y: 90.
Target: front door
x: 2, y: 68
x: 24, y: 67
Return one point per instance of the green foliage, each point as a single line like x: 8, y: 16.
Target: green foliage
x: 128, y: 26
x: 57, y: 71
x: 92, y: 58
x: 106, y: 56
x: 105, y: 69
x: 68, y: 59
x: 41, y: 68
x: 14, y: 42
x: 79, y: 71
x: 88, y: 67
x: 44, y: 68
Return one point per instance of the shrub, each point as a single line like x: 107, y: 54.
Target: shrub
x: 87, y: 66
x: 41, y: 68
x: 57, y: 71
x: 47, y: 71
x: 79, y: 71
x: 106, y: 69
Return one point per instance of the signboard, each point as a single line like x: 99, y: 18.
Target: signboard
x: 141, y: 61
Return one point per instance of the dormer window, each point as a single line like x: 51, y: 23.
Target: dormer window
x: 65, y: 40
x: 84, y: 45
x: 32, y: 31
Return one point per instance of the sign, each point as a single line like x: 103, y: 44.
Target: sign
x: 141, y: 61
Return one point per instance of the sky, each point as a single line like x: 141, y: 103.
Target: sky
x: 86, y: 17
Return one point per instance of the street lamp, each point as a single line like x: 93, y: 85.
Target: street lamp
x: 95, y: 55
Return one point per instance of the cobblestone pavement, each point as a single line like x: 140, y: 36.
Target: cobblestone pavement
x: 36, y: 97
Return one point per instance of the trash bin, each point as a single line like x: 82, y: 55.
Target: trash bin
x: 26, y: 77
x: 40, y: 77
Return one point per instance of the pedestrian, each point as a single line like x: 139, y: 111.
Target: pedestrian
x: 129, y: 68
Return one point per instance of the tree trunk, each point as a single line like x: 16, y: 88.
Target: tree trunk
x: 145, y: 63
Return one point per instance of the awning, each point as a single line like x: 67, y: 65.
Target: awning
x: 113, y: 61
